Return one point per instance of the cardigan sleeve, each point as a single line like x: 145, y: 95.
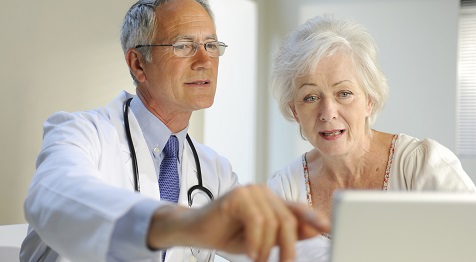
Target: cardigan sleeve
x: 427, y: 165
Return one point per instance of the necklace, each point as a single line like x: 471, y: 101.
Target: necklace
x: 308, y: 189
x: 308, y: 183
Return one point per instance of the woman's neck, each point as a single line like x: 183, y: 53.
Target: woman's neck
x: 350, y: 169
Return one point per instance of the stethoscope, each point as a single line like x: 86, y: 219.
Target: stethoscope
x: 135, y: 167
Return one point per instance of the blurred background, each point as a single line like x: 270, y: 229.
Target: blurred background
x: 66, y: 56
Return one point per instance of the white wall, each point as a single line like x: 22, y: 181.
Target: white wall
x: 56, y: 55
x: 417, y: 41
x: 59, y: 55
x: 230, y: 124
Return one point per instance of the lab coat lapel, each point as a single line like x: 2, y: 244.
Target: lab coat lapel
x: 188, y: 175
x: 147, y: 174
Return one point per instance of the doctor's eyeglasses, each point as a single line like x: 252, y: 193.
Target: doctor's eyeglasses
x: 189, y: 48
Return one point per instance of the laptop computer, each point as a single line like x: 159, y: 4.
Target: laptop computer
x: 370, y: 226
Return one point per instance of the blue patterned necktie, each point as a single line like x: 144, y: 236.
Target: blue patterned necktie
x: 169, y: 182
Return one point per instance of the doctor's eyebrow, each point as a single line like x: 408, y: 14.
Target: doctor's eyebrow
x: 192, y: 38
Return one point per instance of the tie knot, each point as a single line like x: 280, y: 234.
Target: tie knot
x: 171, y: 148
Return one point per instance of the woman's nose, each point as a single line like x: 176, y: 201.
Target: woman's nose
x: 328, y: 109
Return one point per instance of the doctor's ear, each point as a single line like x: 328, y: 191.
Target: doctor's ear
x: 136, y: 62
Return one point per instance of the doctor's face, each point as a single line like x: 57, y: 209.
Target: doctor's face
x: 174, y: 84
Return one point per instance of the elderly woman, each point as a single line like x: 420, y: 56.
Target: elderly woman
x: 327, y: 79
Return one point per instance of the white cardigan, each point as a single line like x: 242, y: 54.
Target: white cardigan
x: 417, y: 166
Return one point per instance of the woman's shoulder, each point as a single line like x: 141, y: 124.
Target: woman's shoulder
x: 288, y: 181
x: 411, y: 145
x: 291, y: 171
x: 428, y: 165
x: 408, y: 148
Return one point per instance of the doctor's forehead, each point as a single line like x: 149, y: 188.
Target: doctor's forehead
x: 184, y: 18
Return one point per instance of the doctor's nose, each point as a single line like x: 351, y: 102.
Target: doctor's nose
x: 202, y: 59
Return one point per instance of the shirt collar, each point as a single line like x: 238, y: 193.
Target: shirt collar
x: 156, y: 133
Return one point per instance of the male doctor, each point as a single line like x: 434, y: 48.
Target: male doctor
x: 98, y: 195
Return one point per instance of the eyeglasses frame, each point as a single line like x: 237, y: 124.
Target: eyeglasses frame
x: 220, y: 44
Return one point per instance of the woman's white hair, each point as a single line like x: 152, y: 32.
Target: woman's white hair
x: 320, y: 37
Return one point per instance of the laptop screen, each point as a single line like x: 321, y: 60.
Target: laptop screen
x: 381, y: 226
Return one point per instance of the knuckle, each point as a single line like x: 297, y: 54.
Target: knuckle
x: 239, y: 191
x: 258, y: 219
x: 290, y: 222
x: 273, y: 224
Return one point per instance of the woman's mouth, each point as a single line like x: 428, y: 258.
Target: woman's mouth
x: 332, y: 134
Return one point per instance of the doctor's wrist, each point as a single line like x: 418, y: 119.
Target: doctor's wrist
x: 167, y: 227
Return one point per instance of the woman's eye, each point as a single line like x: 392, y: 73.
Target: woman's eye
x: 345, y: 94
x: 311, y: 98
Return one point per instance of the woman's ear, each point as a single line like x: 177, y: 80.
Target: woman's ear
x: 135, y: 61
x: 293, y: 109
x: 370, y: 106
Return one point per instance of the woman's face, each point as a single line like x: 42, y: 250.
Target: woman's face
x: 331, y: 107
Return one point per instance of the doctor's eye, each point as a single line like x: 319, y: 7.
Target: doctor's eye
x: 184, y: 46
x: 212, y: 46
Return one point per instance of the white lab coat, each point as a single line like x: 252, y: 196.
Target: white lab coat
x: 84, y: 184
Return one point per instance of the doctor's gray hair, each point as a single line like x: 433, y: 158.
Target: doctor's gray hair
x: 320, y: 37
x: 138, y: 27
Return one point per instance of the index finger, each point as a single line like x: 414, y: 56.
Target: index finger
x: 310, y: 222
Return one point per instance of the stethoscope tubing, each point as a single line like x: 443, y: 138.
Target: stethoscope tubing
x: 135, y: 166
